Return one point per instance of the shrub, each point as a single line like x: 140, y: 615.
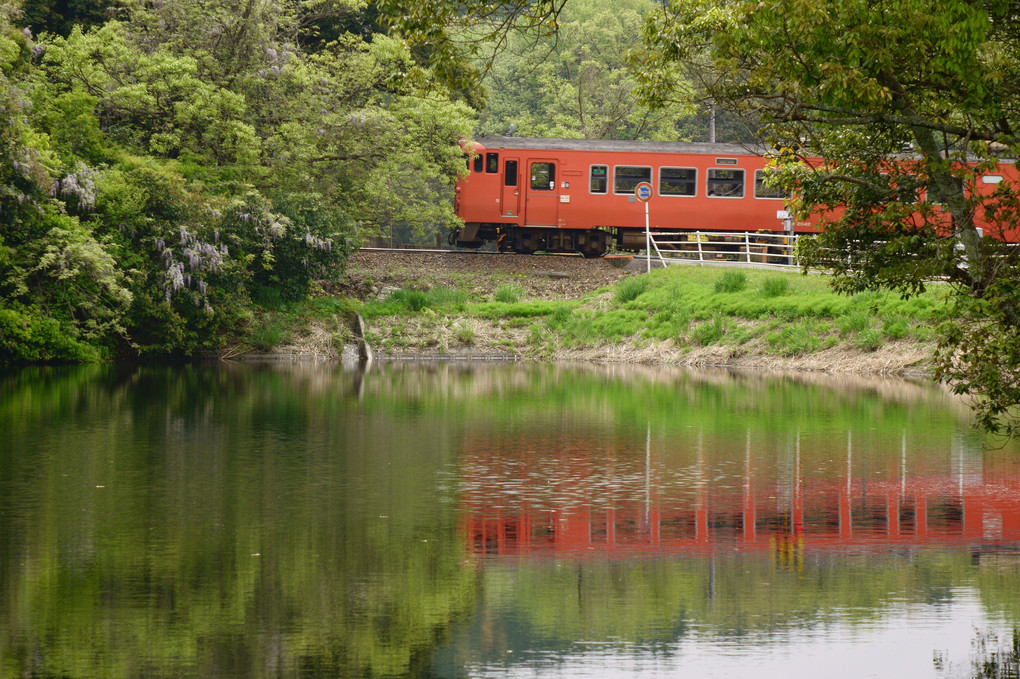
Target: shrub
x: 731, y: 281
x: 27, y: 335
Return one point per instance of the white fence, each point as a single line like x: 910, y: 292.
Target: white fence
x: 725, y: 247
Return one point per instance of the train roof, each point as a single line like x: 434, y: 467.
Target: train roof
x: 615, y: 145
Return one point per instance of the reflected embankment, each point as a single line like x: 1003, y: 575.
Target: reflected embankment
x: 449, y: 520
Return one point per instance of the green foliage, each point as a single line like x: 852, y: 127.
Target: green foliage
x: 269, y: 333
x: 869, y: 339
x: 577, y: 83
x: 979, y: 354
x: 29, y: 336
x: 508, y: 293
x: 775, y: 286
x: 895, y: 327
x: 843, y: 89
x: 465, y: 335
x: 731, y: 281
x: 159, y: 173
x: 407, y: 301
x: 794, y: 339
x: 709, y: 332
x: 854, y: 322
x: 631, y: 288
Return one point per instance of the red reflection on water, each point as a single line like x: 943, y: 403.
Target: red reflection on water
x: 591, y: 500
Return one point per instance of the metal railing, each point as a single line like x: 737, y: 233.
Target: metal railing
x: 725, y: 247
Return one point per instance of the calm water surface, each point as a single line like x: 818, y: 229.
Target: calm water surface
x: 498, y: 521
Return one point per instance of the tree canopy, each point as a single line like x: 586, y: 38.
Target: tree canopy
x: 579, y: 82
x: 901, y: 108
x: 163, y: 168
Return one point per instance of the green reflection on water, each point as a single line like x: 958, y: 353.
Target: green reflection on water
x: 298, y: 520
x: 219, y: 522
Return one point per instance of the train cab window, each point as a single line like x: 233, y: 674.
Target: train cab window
x: 763, y: 190
x: 492, y: 163
x: 510, y: 173
x: 543, y: 176
x: 678, y: 181
x: 725, y: 183
x: 479, y: 162
x: 626, y: 177
x: 598, y: 181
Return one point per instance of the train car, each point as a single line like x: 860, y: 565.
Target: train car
x: 577, y: 195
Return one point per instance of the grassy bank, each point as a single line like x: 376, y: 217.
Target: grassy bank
x: 676, y: 315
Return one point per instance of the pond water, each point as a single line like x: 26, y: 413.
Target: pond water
x: 444, y: 520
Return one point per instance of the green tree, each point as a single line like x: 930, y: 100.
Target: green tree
x: 857, y: 84
x: 163, y: 169
x: 578, y: 83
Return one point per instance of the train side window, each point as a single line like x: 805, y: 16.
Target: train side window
x: 492, y: 163
x: 598, y: 181
x: 626, y: 177
x: 479, y: 162
x: 725, y: 183
x: 678, y: 181
x: 543, y: 176
x: 510, y: 173
x: 763, y: 190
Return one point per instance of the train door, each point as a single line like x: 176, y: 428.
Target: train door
x: 510, y: 206
x: 542, y: 200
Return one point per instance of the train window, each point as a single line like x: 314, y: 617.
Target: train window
x: 510, y: 173
x: 626, y: 177
x: 543, y: 176
x: 991, y: 179
x: 478, y: 163
x: 763, y: 190
x: 492, y: 163
x: 725, y: 183
x: 678, y: 181
x: 599, y: 179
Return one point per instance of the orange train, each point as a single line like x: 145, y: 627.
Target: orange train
x: 578, y: 195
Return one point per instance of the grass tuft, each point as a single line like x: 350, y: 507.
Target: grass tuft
x: 631, y: 288
x: 509, y: 293
x: 731, y: 281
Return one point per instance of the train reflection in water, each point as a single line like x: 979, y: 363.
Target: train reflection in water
x: 592, y: 498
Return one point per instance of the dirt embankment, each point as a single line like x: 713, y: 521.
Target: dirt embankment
x: 375, y: 274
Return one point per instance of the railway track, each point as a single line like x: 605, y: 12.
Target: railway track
x: 447, y: 251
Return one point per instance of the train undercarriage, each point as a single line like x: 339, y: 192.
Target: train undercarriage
x: 528, y: 240
x: 762, y: 246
